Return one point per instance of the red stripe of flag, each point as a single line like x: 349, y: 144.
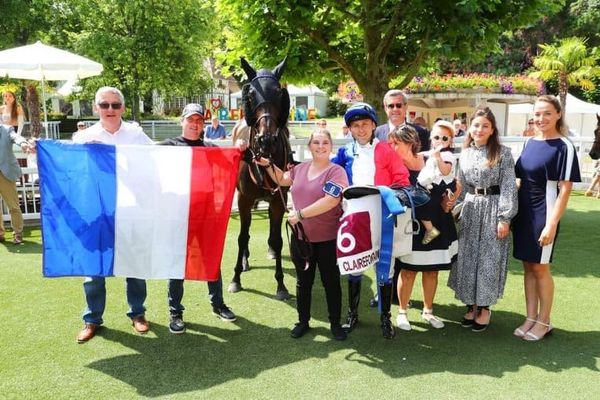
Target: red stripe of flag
x: 214, y: 175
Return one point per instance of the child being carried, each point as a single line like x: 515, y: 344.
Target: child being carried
x: 439, y: 168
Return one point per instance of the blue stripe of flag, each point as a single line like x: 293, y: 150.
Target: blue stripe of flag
x: 78, y: 201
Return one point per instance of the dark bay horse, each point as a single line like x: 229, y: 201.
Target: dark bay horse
x: 266, y: 110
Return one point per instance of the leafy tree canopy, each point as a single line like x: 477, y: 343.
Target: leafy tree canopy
x: 143, y: 45
x: 146, y: 45
x: 570, y: 62
x: 368, y: 40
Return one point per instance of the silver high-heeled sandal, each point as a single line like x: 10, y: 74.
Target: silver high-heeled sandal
x: 519, y: 332
x: 530, y: 337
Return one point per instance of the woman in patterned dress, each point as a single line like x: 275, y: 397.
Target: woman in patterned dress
x: 546, y: 171
x: 487, y: 176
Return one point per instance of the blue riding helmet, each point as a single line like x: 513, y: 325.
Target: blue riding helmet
x: 360, y: 111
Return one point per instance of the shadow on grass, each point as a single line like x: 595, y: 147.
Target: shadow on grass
x: 203, y: 357
x: 28, y: 247
x: 208, y: 356
x: 493, y: 353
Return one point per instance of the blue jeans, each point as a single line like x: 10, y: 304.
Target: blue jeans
x: 95, y: 297
x: 215, y: 295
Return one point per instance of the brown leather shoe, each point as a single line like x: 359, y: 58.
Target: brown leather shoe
x: 88, y: 332
x: 140, y: 324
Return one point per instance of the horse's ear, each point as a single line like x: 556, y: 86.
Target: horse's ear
x: 285, y: 107
x: 278, y: 70
x: 250, y: 72
x: 247, y: 104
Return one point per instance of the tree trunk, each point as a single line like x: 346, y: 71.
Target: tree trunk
x: 373, y: 92
x: 563, y: 89
x: 33, y: 104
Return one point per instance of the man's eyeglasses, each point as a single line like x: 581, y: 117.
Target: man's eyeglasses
x: 114, y: 106
x: 391, y: 106
x: 442, y: 138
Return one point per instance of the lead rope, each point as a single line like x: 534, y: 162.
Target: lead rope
x: 295, y: 230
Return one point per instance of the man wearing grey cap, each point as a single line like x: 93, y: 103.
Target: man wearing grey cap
x: 192, y: 134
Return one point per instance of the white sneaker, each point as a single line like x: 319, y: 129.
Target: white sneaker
x: 402, y: 321
x: 432, y: 319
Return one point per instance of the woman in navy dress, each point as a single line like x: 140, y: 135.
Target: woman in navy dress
x: 545, y: 172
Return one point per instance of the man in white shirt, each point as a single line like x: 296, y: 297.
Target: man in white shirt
x: 111, y: 129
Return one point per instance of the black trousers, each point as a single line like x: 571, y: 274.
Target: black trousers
x: 324, y: 258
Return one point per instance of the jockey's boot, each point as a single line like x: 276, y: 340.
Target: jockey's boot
x: 353, y: 300
x: 385, y: 296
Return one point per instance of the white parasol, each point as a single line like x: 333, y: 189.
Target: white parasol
x: 45, y: 63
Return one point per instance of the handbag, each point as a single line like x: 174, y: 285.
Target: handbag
x: 299, y: 243
x: 447, y: 198
x: 457, y: 211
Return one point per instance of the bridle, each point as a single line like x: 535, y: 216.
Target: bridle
x: 257, y: 153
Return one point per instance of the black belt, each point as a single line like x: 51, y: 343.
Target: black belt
x: 486, y: 191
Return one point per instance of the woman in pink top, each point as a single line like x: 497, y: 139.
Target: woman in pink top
x: 316, y: 188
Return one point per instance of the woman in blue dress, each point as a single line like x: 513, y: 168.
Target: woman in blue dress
x: 545, y: 172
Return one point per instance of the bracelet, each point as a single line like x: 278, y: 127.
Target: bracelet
x: 299, y: 215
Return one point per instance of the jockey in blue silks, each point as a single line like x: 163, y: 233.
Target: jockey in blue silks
x: 368, y: 161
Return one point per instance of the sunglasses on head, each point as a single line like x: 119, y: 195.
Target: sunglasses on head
x: 391, y: 106
x: 443, y: 138
x: 114, y: 106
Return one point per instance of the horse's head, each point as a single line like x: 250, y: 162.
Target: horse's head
x: 595, y: 152
x: 266, y: 108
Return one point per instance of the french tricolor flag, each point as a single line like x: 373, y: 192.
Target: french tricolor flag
x: 135, y: 211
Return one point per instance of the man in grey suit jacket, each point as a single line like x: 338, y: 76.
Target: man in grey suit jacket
x: 10, y: 172
x: 395, y: 103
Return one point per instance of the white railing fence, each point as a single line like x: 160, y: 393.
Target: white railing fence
x: 28, y: 188
x: 53, y: 130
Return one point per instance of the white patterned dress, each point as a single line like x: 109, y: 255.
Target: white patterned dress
x: 479, y: 275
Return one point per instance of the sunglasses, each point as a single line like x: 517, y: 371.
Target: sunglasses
x: 114, y: 106
x: 443, y: 138
x: 391, y: 106
x: 530, y: 123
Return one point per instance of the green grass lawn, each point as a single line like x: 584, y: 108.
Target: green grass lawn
x: 254, y: 358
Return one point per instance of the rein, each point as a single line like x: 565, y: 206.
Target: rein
x: 255, y: 156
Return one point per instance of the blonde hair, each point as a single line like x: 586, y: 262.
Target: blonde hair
x: 445, y: 124
x: 322, y: 131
